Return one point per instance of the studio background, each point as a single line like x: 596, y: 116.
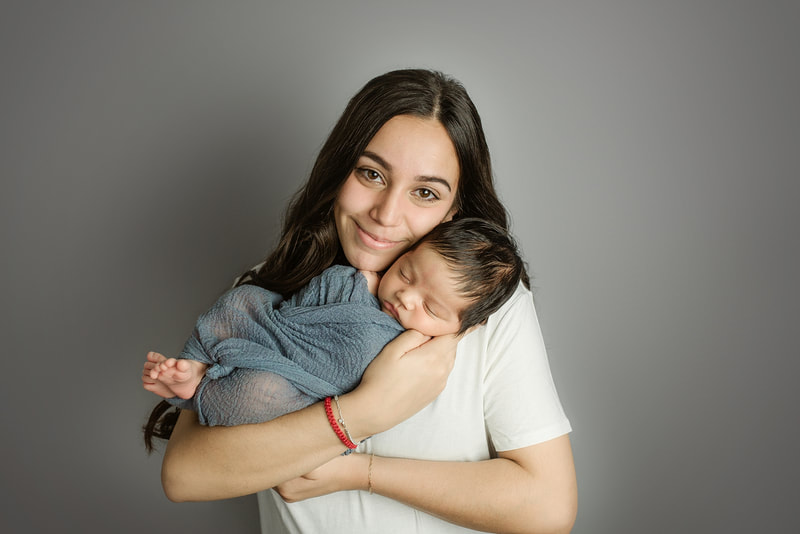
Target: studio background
x: 647, y: 151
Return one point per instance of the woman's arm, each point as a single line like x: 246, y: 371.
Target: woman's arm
x: 531, y: 490
x: 207, y: 463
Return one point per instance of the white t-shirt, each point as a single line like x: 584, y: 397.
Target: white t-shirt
x: 500, y: 395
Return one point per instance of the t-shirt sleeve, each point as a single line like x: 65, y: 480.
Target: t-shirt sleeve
x: 521, y: 404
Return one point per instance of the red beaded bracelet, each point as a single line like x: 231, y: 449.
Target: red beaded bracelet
x: 339, y: 432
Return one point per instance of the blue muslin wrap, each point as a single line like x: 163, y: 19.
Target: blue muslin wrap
x: 269, y: 356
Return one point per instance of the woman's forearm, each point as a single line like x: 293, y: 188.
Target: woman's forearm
x: 207, y: 463
x: 534, y: 492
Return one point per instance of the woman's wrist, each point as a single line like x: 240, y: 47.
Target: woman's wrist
x: 359, y: 421
x: 370, y: 486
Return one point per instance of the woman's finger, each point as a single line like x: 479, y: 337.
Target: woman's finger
x: 405, y: 342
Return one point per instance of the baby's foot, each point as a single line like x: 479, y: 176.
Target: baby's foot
x: 169, y: 377
x: 150, y: 375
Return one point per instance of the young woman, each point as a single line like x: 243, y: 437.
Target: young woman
x: 473, y: 441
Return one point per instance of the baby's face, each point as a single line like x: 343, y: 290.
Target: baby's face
x: 420, y: 291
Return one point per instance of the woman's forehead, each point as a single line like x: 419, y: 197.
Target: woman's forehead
x: 415, y: 146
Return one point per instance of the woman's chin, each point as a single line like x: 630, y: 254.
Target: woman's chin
x: 371, y: 261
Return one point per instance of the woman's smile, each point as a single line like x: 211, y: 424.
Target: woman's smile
x: 373, y: 241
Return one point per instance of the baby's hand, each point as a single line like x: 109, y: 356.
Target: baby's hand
x: 373, y: 279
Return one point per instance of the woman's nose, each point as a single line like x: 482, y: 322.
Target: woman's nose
x: 387, y: 210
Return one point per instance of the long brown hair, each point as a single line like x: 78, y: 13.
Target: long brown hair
x: 309, y: 242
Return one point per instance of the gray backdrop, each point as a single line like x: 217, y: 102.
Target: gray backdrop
x: 646, y: 150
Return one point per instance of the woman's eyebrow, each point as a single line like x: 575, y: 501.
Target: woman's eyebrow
x: 377, y: 159
x: 386, y: 165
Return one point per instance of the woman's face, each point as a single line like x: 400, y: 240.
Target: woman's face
x: 403, y: 185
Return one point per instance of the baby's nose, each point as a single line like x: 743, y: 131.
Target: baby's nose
x: 406, y: 298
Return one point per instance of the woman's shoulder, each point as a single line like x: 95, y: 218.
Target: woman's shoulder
x: 514, y: 323
x: 520, y: 302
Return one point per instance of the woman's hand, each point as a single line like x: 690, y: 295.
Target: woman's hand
x: 342, y: 473
x: 407, y: 375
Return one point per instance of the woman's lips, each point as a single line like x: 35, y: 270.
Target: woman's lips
x: 373, y: 241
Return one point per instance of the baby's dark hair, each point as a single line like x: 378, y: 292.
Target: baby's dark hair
x: 486, y: 263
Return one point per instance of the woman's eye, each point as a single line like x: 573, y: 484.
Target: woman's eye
x: 371, y: 175
x: 427, y: 194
